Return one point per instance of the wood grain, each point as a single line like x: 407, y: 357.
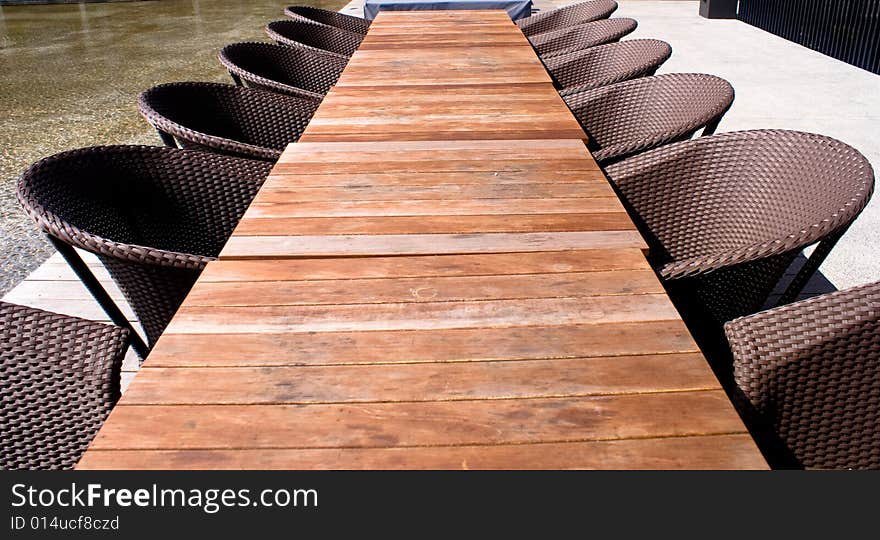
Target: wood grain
x: 710, y: 452
x: 422, y: 382
x: 420, y: 346
x: 383, y: 425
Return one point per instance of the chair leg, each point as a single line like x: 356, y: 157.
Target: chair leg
x: 81, y: 269
x: 809, y: 268
x: 236, y: 78
x: 167, y: 139
x: 710, y: 127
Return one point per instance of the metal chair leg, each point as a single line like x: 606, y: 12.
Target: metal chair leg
x: 81, y: 269
x: 167, y: 139
x: 710, y: 127
x: 809, y: 268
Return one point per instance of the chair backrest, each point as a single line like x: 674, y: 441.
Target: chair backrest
x: 582, y: 36
x: 294, y: 71
x: 629, y: 117
x: 60, y: 381
x: 228, y: 119
x: 327, y: 17
x: 809, y: 375
x: 740, y: 196
x: 317, y: 37
x: 607, y: 64
x: 154, y: 215
x: 554, y: 19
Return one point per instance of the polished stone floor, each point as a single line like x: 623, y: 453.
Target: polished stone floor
x: 70, y: 76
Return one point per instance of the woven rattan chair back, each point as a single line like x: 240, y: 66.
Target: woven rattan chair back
x: 227, y: 119
x: 153, y: 215
x: 581, y: 36
x: 297, y: 72
x: 633, y: 116
x: 607, y: 64
x: 60, y: 381
x: 725, y: 215
x: 808, y: 375
x: 315, y: 37
x: 554, y: 19
x: 329, y: 18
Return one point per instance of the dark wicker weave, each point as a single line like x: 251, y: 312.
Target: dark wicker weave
x: 60, y: 381
x: 725, y: 215
x: 315, y: 37
x: 297, y: 72
x: 582, y: 36
x: 633, y: 116
x: 227, y: 119
x: 810, y: 375
x: 554, y: 19
x: 607, y: 64
x: 329, y: 18
x: 153, y: 215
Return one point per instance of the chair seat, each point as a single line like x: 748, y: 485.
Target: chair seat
x: 809, y: 377
x: 61, y: 379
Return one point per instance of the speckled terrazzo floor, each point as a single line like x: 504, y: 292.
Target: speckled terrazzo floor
x: 70, y: 76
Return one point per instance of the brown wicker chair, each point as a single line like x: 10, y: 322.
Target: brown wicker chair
x: 582, y: 36
x: 607, y: 64
x: 809, y: 376
x: 554, y: 19
x: 227, y: 119
x: 297, y: 72
x: 633, y: 116
x: 60, y: 381
x: 725, y: 215
x: 328, y: 18
x: 315, y: 37
x: 153, y: 215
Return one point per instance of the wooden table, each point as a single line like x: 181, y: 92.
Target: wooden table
x: 438, y: 303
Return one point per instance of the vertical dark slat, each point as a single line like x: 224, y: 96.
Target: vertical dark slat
x: 848, y: 30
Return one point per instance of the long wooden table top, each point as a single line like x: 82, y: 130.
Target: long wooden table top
x: 408, y: 303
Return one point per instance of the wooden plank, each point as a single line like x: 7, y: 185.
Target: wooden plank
x: 261, y: 247
x: 283, y: 188
x: 289, y: 177
x: 447, y: 224
x: 439, y: 289
x: 449, y: 65
x: 420, y: 316
x: 711, y: 452
x: 423, y: 382
x: 429, y: 152
x: 383, y: 425
x: 416, y: 346
x: 261, y: 207
x: 422, y: 266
